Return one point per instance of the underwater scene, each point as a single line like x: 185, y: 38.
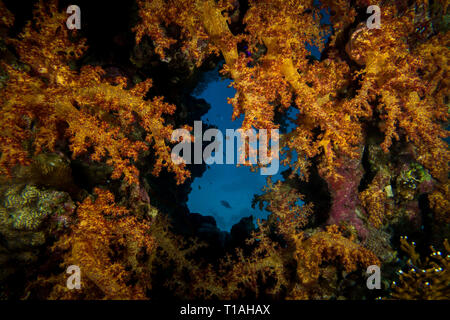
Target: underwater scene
x: 209, y: 150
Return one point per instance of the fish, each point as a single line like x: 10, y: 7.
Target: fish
x: 225, y: 204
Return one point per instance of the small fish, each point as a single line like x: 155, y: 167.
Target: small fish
x: 225, y: 204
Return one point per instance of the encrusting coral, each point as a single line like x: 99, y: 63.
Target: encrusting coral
x: 29, y: 217
x: 286, y: 261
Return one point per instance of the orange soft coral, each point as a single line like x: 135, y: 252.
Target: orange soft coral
x: 328, y: 124
x: 198, y: 38
x: 374, y: 200
x: 408, y: 86
x: 103, y: 227
x: 326, y: 246
x: 53, y: 102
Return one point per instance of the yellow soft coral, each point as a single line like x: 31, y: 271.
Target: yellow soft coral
x: 7, y: 18
x: 398, y: 87
x: 427, y: 279
x: 374, y: 200
x: 325, y: 246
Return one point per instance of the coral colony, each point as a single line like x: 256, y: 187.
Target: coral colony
x: 101, y: 139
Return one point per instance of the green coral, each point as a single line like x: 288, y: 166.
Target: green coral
x: 29, y: 208
x: 416, y: 174
x: 26, y: 213
x: 410, y: 179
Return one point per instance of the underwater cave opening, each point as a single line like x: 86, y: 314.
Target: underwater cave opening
x: 225, y: 191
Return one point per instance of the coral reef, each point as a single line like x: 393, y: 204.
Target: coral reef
x: 102, y: 227
x: 395, y: 87
x: 346, y: 205
x: 87, y: 179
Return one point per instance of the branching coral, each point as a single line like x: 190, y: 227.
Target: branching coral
x: 199, y: 39
x: 399, y: 86
x: 400, y: 78
x: 279, y: 259
x: 440, y: 202
x: 309, y: 252
x: 52, y: 102
x: 173, y: 255
x: 427, y: 279
x: 29, y: 218
x: 296, y: 269
x: 264, y: 273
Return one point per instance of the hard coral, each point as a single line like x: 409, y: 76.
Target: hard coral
x: 371, y: 117
x: 29, y: 218
x: 427, y: 279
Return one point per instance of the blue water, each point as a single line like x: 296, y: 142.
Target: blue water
x: 226, y: 182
